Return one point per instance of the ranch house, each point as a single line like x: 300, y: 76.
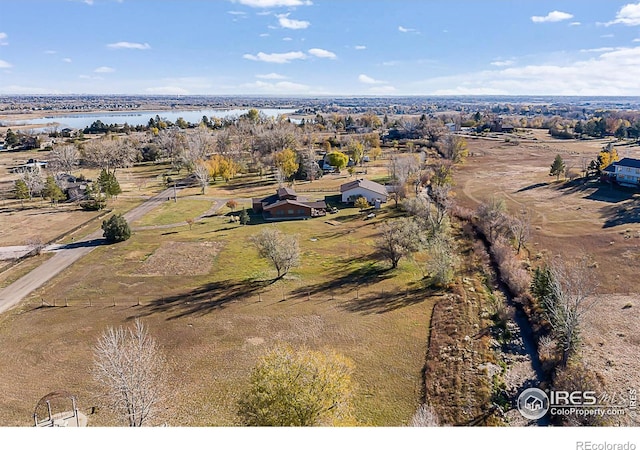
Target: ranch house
x: 362, y: 187
x: 285, y: 204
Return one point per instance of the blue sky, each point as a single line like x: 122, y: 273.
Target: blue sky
x: 320, y: 47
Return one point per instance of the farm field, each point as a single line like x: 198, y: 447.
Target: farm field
x: 213, y: 305
x: 570, y: 218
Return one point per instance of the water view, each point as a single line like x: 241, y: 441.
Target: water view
x: 81, y: 121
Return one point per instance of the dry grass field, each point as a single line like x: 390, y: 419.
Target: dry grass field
x: 218, y: 309
x: 572, y: 218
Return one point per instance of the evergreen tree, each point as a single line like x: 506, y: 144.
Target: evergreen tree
x: 22, y: 191
x: 116, y: 229
x: 557, y: 168
x: 244, y: 217
x: 52, y: 191
x: 11, y: 139
x: 109, y: 183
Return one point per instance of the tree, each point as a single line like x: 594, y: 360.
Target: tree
x: 33, y: 180
x: 281, y: 250
x: 492, y: 218
x: 287, y: 161
x: 520, y: 226
x: 64, y: 158
x: 131, y: 368
x: 21, y: 190
x: 565, y: 290
x: 11, y: 139
x: 356, y: 150
x: 232, y: 204
x: 557, y: 168
x: 442, y: 261
x: 398, y: 238
x: 52, y: 191
x: 116, y: 229
x: 109, y: 183
x: 361, y: 203
x: 338, y: 160
x: 299, y: 388
x: 109, y: 153
x: 201, y: 172
x: 442, y: 173
x: 454, y: 147
x: 375, y: 153
x: 244, y: 217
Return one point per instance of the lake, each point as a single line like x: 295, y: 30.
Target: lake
x: 83, y: 120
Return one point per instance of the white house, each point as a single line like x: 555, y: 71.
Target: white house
x: 626, y: 171
x: 361, y: 187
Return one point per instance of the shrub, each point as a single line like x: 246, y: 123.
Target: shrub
x: 116, y: 229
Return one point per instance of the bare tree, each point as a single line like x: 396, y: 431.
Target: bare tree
x: 281, y: 250
x: 520, y: 226
x: 442, y: 260
x: 453, y: 147
x: 131, y: 368
x: 199, y: 147
x: 64, y: 158
x: 33, y: 180
x: 109, y: 153
x: 398, y: 238
x: 492, y: 218
x: 572, y: 285
x: 172, y: 143
x: 201, y: 172
x: 425, y: 416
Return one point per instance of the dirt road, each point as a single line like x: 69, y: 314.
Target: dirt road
x: 67, y: 255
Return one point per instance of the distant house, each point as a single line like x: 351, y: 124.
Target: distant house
x: 362, y: 187
x: 30, y: 165
x: 626, y: 171
x: 285, y: 204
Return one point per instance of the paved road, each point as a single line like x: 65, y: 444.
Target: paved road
x: 67, y: 255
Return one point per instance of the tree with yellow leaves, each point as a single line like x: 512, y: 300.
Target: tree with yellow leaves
x: 607, y: 156
x: 220, y: 166
x: 299, y: 388
x: 287, y: 161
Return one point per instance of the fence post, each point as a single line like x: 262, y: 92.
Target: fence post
x: 114, y: 302
x: 66, y: 302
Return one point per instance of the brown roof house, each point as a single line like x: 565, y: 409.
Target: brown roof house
x: 372, y: 191
x: 285, y: 204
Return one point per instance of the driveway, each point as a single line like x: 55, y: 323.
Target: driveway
x: 67, y: 255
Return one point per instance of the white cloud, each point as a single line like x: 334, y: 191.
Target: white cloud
x: 237, y: 13
x: 366, y: 79
x: 5, y: 65
x: 104, y: 69
x: 636, y: 40
x: 167, y: 90
x: 273, y: 3
x: 278, y: 58
x: 129, y: 45
x: 321, y: 53
x: 575, y: 24
x: 360, y: 47
x: 607, y: 36
x: 502, y: 63
x: 611, y: 73
x: 3, y: 38
x: 292, y: 24
x: 406, y: 30
x: 553, y: 16
x: 597, y: 50
x: 264, y: 34
x: 287, y: 39
x: 67, y: 60
x: 628, y: 15
x: 271, y: 76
